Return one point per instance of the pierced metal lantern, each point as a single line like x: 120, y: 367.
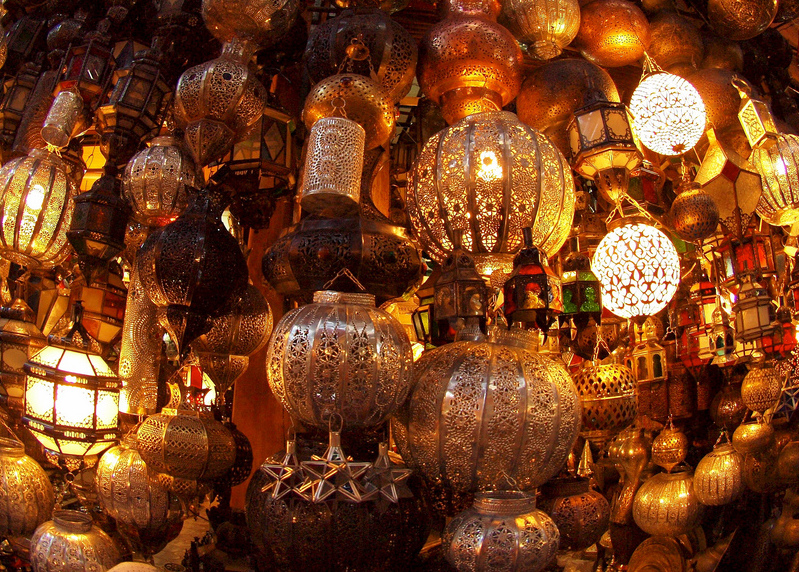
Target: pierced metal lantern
x: 741, y: 20
x: 460, y: 292
x: 777, y: 167
x: 461, y: 181
x: 609, y: 397
x: 612, y: 33
x: 648, y: 358
x: 754, y: 311
x: 669, y: 448
x: 191, y: 267
x: 532, y: 292
x: 217, y: 101
x: 638, y: 268
x: 365, y: 42
x: 36, y: 207
x: 103, y: 296
x: 580, y: 513
x: 17, y: 91
x: 71, y: 396
x: 186, y: 445
x: 602, y: 147
x: 755, y: 118
x: 20, y: 339
x: 27, y: 499
x: 718, y: 478
x: 666, y: 504
x: 694, y: 213
x: 357, y: 98
x: 262, y: 22
x: 339, y: 355
x: 330, y: 182
x: 157, y: 181
x: 676, y: 42
x: 471, y: 395
x: 762, y: 386
x: 504, y: 529
x: 70, y: 542
x: 469, y: 64
x: 545, y: 27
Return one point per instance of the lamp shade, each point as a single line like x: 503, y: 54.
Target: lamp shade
x: 777, y: 167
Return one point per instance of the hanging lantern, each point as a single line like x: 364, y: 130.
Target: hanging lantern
x: 676, y: 43
x: 359, y: 99
x: 157, y: 181
x: 461, y: 181
x: 330, y: 184
x: 367, y: 42
x: 669, y: 448
x: 20, y: 339
x: 777, y: 167
x: 756, y: 119
x: 721, y: 53
x: 718, y: 479
x: 717, y: 90
x: 103, y: 296
x: 28, y: 496
x: 666, y: 504
x: 191, y: 267
x: 608, y: 395
x: 728, y: 409
x: 148, y: 516
x: 602, y: 147
x: 514, y: 533
x: 648, y: 359
x: 613, y: 33
x: 217, y: 101
x: 743, y: 20
x: 667, y: 112
x: 762, y: 386
x: 469, y: 64
x: 694, y: 346
x: 449, y: 418
x: 17, y: 91
x: 580, y: 513
x: 241, y: 468
x: 263, y: 22
x: 71, y: 543
x: 461, y: 294
x: 339, y: 355
x: 582, y: 299
x: 543, y: 27
x: 22, y: 40
x: 36, y: 207
x: 754, y: 311
x: 753, y: 437
x: 694, y: 213
x: 638, y: 268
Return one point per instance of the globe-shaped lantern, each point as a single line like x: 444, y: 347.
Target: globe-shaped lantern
x: 779, y: 175
x: 489, y: 176
x: 638, y: 269
x: 545, y: 28
x: 667, y: 111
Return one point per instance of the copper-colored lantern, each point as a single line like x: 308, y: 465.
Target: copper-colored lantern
x: 28, y: 497
x: 365, y: 42
x: 20, y: 339
x: 460, y: 292
x: 741, y: 20
x: 762, y: 386
x: 613, y: 33
x: 669, y: 448
x: 262, y: 22
x: 580, y: 512
x: 755, y: 117
x: 602, y: 147
x: 721, y: 99
x: 533, y: 293
x: 777, y: 166
x: 648, y: 358
x: 461, y: 182
x: 544, y: 27
x: 676, y: 42
x: 36, y: 206
x: 694, y: 213
x: 468, y: 65
x: 608, y: 395
x: 754, y: 311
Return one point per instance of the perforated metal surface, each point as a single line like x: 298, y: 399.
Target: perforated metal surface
x: 613, y: 33
x: 741, y: 20
x: 263, y: 22
x: 609, y: 395
x: 779, y: 174
x: 26, y: 495
x: 718, y: 478
x: 70, y: 542
x: 666, y: 504
x: 545, y: 26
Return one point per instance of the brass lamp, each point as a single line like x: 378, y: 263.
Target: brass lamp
x: 648, y: 359
x: 71, y: 396
x: 756, y: 119
x: 754, y: 311
x: 602, y: 147
x: 19, y: 340
x: 460, y: 292
x: 779, y: 174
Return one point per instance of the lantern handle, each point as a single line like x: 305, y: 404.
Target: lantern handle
x: 331, y: 420
x: 345, y: 272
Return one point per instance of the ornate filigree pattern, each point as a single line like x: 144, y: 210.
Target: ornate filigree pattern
x: 613, y: 33
x: 667, y: 505
x: 779, y: 173
x: 609, y: 395
x: 580, y: 512
x: 69, y: 542
x: 263, y: 22
x: 741, y: 20
x: 546, y: 27
x: 718, y: 478
x: 26, y: 495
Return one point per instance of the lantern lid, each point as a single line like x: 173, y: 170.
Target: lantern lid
x: 504, y: 502
x: 333, y: 297
x: 72, y: 521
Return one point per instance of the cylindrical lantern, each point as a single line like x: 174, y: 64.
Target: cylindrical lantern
x: 718, y: 478
x: 638, y: 268
x: 157, y: 180
x: 470, y: 424
x: 612, y: 33
x: 580, y: 512
x: 70, y: 543
x: 339, y: 355
x: 754, y: 311
x: 27, y: 497
x: 64, y: 119
x: 501, y: 527
x: 667, y: 505
x: 490, y: 176
x: 545, y: 27
x: 608, y: 394
x: 779, y: 174
x: 186, y: 445
x: 331, y: 176
x: 36, y: 205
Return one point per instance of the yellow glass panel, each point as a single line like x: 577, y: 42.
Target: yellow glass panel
x: 39, y: 399
x: 107, y: 409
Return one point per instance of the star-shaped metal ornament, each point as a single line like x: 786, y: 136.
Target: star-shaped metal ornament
x: 332, y: 477
x: 387, y: 478
x: 286, y: 477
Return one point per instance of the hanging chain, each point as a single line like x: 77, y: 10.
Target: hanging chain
x: 346, y: 273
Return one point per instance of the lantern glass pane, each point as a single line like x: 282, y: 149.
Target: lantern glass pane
x: 617, y: 125
x: 18, y: 98
x: 48, y: 356
x: 74, y: 406
x: 101, y: 368
x: 275, y: 143
x: 99, y: 447
x: 751, y: 122
x: 592, y: 128
x: 77, y: 363
x: 107, y: 409
x: 39, y: 400
x: 74, y: 448
x: 46, y: 440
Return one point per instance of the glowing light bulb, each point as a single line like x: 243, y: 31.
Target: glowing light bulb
x: 490, y: 169
x: 35, y: 198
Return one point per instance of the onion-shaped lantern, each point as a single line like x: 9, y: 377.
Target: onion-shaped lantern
x: 666, y: 504
x: 638, y: 268
x: 609, y: 396
x: 36, y: 205
x: 71, y: 542
x: 545, y: 27
x: 490, y: 176
x: 613, y: 33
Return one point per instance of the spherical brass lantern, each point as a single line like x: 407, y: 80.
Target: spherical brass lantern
x: 762, y: 386
x: 70, y: 542
x: 474, y: 396
x: 580, y: 512
x: 694, y: 213
x: 667, y: 111
x: 36, y: 205
x: 262, y: 22
x: 608, y: 393
x: 544, y: 27
x: 469, y: 64
x: 490, y: 176
x: 666, y: 504
x: 718, y: 479
x: 719, y: 95
x: 741, y: 20
x: 26, y: 494
x: 778, y: 167
x: 638, y: 268
x: 676, y: 42
x: 613, y: 33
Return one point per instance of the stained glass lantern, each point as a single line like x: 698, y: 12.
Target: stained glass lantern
x: 638, y: 268
x: 490, y: 176
x: 667, y: 112
x: 756, y: 119
x: 103, y: 295
x: 87, y: 67
x: 20, y: 339
x: 533, y: 292
x: 460, y: 292
x: 602, y: 147
x: 648, y: 359
x: 753, y: 255
x: 71, y: 396
x: 36, y: 207
x: 721, y: 337
x: 135, y: 109
x: 695, y: 320
x: 582, y: 297
x: 754, y: 311
x: 17, y: 90
x: 777, y: 166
